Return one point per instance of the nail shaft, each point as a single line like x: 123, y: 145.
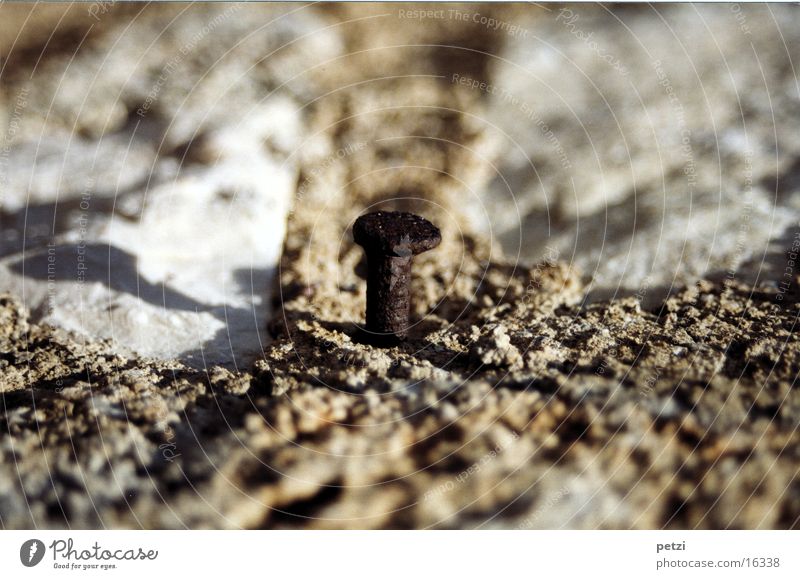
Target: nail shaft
x: 388, y: 294
x: 390, y: 241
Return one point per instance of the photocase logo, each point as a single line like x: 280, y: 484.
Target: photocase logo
x: 31, y: 552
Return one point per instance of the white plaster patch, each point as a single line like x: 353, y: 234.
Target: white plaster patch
x: 181, y: 267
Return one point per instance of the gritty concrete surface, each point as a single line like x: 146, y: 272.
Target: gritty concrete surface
x: 642, y: 377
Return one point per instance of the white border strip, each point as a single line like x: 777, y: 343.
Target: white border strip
x: 402, y: 554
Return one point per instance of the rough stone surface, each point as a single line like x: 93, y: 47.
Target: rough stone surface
x: 527, y: 395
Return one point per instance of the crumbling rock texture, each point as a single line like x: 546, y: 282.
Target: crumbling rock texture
x: 516, y: 402
x: 605, y: 416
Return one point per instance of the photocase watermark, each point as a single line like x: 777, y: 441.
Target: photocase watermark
x: 81, y: 264
x: 647, y: 388
x: 741, y: 19
x: 12, y: 130
x: 65, y: 555
x: 488, y: 22
x: 473, y: 469
x: 611, y: 353
x: 744, y: 219
x: 98, y: 9
x: 31, y: 552
x: 168, y: 447
x: 51, y: 276
x: 550, y: 259
x: 789, y: 269
x: 689, y: 168
x: 644, y: 287
x: 527, y: 111
x: 551, y: 501
x: 569, y: 19
x: 312, y: 174
x: 174, y: 63
x: 422, y: 14
x: 84, y: 205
